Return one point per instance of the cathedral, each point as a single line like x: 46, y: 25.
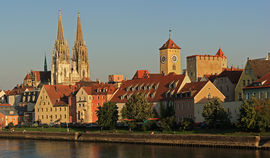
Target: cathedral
x: 66, y: 70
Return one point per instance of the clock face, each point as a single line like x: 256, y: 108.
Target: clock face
x: 162, y: 59
x: 174, y: 58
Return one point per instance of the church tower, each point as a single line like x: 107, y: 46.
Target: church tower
x: 80, y: 62
x: 60, y: 70
x: 170, y: 58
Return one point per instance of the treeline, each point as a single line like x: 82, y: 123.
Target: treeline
x: 138, y: 114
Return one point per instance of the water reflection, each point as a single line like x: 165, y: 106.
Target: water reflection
x: 39, y: 149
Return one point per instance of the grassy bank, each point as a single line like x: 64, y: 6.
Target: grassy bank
x: 230, y: 132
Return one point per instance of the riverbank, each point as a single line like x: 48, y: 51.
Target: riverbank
x: 203, y: 140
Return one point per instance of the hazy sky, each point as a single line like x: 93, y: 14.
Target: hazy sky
x: 123, y: 36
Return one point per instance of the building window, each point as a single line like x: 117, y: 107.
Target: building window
x: 248, y: 82
x: 55, y: 116
x: 244, y: 83
x: 46, y: 116
x: 240, y: 96
x: 65, y: 116
x: 42, y: 116
x: 60, y: 109
x: 174, y: 67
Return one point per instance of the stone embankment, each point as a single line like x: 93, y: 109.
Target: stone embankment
x: 248, y: 142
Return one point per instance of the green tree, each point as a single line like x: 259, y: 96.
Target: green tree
x: 167, y: 117
x: 247, y: 120
x: 107, y: 115
x: 186, y: 124
x: 255, y: 115
x: 138, y: 108
x: 215, y: 115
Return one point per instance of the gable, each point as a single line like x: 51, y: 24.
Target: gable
x: 203, y: 94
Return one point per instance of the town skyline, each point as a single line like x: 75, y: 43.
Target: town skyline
x: 137, y: 36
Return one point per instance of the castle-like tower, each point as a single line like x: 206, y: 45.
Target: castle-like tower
x: 60, y: 70
x: 170, y: 58
x: 80, y: 62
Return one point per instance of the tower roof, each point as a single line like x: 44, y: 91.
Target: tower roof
x: 79, y: 35
x: 220, y: 52
x: 169, y: 45
x: 60, y: 31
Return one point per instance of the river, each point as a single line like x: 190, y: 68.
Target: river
x: 14, y: 148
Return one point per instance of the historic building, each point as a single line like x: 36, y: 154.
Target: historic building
x: 191, y: 96
x: 170, y: 60
x: 200, y: 65
x: 9, y: 115
x: 168, y: 90
x: 36, y: 79
x: 254, y: 70
x: 61, y: 70
x: 89, y: 98
x: 56, y: 104
x: 259, y: 89
x: 158, y: 88
x: 226, y: 82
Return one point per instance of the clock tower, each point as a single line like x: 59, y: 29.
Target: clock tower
x: 170, y: 58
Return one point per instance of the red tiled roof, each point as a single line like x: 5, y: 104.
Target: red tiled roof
x: 233, y: 76
x: 58, y: 93
x: 17, y: 90
x: 100, y: 89
x: 5, y: 105
x: 263, y: 82
x: 27, y: 77
x: 260, y: 67
x: 210, y: 77
x: 169, y: 45
x: 156, y: 87
x: 193, y: 87
x: 141, y: 74
x: 42, y: 75
x: 220, y: 53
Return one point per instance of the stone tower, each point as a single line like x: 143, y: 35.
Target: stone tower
x: 60, y: 70
x: 80, y: 62
x: 170, y: 58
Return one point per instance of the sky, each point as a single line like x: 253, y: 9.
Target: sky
x: 123, y: 36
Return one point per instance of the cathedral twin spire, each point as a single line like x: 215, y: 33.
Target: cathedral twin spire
x: 62, y: 73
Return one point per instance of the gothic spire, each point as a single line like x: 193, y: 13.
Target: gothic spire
x: 60, y: 31
x: 45, y: 64
x: 79, y: 35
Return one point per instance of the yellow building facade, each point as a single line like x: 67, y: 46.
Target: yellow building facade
x: 254, y: 69
x: 53, y: 105
x: 170, y: 60
x: 200, y: 65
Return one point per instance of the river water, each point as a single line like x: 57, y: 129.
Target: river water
x: 12, y: 148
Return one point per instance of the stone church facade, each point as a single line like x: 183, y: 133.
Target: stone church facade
x: 61, y: 70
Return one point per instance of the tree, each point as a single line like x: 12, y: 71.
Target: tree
x: 107, y: 115
x: 247, y: 120
x: 167, y: 117
x: 138, y: 108
x: 215, y: 115
x: 255, y: 115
